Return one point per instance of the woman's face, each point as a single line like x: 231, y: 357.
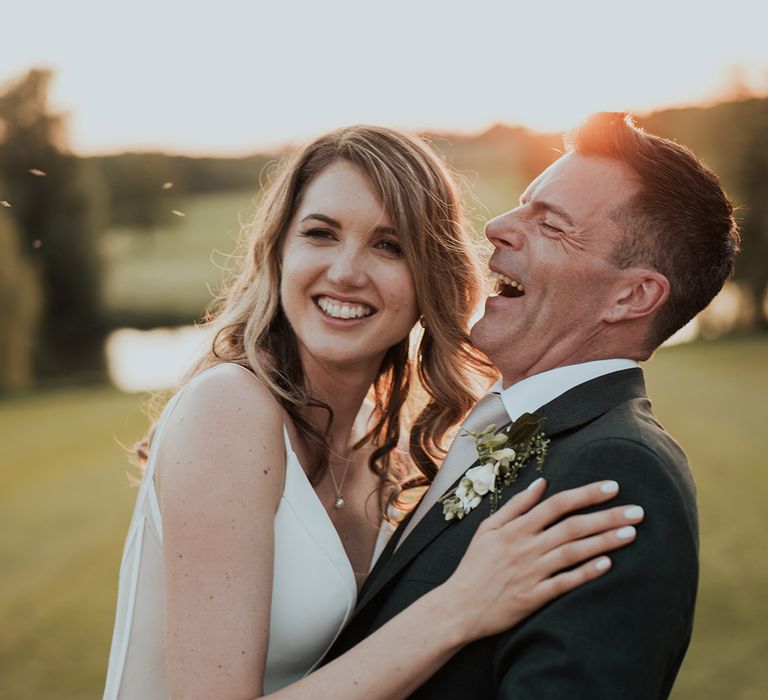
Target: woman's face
x: 345, y: 287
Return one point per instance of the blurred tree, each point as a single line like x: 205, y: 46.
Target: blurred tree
x: 752, y: 185
x: 56, y: 205
x: 20, y: 306
x: 732, y: 138
x: 145, y: 187
x: 218, y: 174
x: 139, y: 197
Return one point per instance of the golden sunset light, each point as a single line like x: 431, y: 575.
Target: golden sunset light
x: 184, y: 78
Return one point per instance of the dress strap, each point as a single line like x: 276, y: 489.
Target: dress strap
x: 161, y: 423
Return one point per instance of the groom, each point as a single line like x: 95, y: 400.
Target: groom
x: 612, y: 249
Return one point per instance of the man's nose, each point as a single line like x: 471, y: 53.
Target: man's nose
x: 506, y: 230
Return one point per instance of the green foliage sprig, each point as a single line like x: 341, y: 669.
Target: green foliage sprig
x: 501, y: 457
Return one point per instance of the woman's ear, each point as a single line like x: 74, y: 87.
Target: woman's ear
x: 641, y: 293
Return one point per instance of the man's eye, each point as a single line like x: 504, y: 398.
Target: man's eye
x: 549, y: 227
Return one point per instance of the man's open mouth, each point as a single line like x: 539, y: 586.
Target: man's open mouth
x: 506, y: 286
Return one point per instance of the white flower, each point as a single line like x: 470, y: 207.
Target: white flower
x: 499, y: 461
x: 483, y: 478
x: 503, y: 457
x: 468, y: 497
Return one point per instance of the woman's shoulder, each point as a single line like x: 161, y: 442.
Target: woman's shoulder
x: 223, y: 419
x: 230, y: 395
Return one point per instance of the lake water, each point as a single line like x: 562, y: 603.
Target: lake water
x: 152, y: 360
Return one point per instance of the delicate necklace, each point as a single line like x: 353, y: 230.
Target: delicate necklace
x: 339, y: 502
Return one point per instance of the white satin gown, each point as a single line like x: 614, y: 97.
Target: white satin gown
x: 313, y: 591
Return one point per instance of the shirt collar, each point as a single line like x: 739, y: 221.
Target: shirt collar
x: 535, y: 391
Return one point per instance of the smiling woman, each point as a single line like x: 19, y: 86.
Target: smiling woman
x: 346, y: 288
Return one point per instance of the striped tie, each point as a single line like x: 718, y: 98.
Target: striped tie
x: 461, y: 455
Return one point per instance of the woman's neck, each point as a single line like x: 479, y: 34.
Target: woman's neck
x: 344, y: 391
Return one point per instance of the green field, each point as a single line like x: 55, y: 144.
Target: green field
x: 174, y: 268
x: 66, y: 501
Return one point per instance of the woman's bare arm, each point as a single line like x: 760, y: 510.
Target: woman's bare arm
x: 222, y: 469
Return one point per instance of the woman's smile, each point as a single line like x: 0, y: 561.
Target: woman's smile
x: 343, y: 309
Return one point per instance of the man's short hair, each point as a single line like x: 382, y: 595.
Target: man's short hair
x: 679, y: 223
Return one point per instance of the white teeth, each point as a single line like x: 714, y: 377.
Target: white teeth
x: 337, y: 309
x: 506, y: 280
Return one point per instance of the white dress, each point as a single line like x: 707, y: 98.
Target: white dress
x: 313, y: 589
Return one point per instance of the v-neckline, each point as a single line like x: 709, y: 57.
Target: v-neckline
x: 305, y: 479
x: 316, y: 498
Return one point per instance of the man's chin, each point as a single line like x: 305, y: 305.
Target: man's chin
x: 487, y: 335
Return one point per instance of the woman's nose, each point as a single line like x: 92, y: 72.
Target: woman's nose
x: 348, y: 269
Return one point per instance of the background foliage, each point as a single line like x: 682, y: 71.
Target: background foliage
x: 91, y: 241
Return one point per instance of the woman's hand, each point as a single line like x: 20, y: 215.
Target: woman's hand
x: 521, y: 557
x: 514, y: 565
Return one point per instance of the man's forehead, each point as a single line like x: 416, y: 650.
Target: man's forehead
x: 582, y: 181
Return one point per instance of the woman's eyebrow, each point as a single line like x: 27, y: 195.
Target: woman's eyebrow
x: 322, y: 217
x: 379, y: 230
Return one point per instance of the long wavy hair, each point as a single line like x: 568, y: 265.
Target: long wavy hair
x: 423, y: 202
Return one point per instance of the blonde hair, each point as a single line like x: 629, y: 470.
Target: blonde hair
x: 423, y: 203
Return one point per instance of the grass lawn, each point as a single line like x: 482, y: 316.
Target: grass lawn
x: 64, y: 510
x: 712, y: 397
x: 66, y: 501
x: 175, y: 267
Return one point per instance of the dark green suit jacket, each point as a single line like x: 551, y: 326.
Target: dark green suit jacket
x: 622, y: 636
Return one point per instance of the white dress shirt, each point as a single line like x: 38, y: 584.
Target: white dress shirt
x: 535, y: 391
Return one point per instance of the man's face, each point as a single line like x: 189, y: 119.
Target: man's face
x: 552, y: 263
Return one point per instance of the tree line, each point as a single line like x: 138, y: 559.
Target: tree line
x: 55, y: 207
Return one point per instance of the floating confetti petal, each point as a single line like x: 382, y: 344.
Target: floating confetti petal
x: 7, y: 205
x: 176, y: 212
x: 37, y: 173
x: 167, y: 185
x: 37, y: 244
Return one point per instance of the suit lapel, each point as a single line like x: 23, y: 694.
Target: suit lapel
x: 574, y: 408
x: 391, y: 563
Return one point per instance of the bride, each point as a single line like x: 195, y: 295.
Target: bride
x: 274, y: 471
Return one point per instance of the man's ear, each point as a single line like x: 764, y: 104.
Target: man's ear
x: 641, y: 293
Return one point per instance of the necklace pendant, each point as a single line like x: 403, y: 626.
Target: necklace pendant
x: 339, y: 502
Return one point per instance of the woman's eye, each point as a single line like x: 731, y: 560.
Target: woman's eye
x: 318, y: 234
x: 390, y: 246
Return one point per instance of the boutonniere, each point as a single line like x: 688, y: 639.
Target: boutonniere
x: 501, y: 456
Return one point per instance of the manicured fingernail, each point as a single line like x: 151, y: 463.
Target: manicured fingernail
x: 533, y: 484
x: 610, y: 487
x: 602, y: 564
x: 633, y: 513
x: 625, y: 533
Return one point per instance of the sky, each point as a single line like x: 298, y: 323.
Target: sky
x: 234, y: 76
